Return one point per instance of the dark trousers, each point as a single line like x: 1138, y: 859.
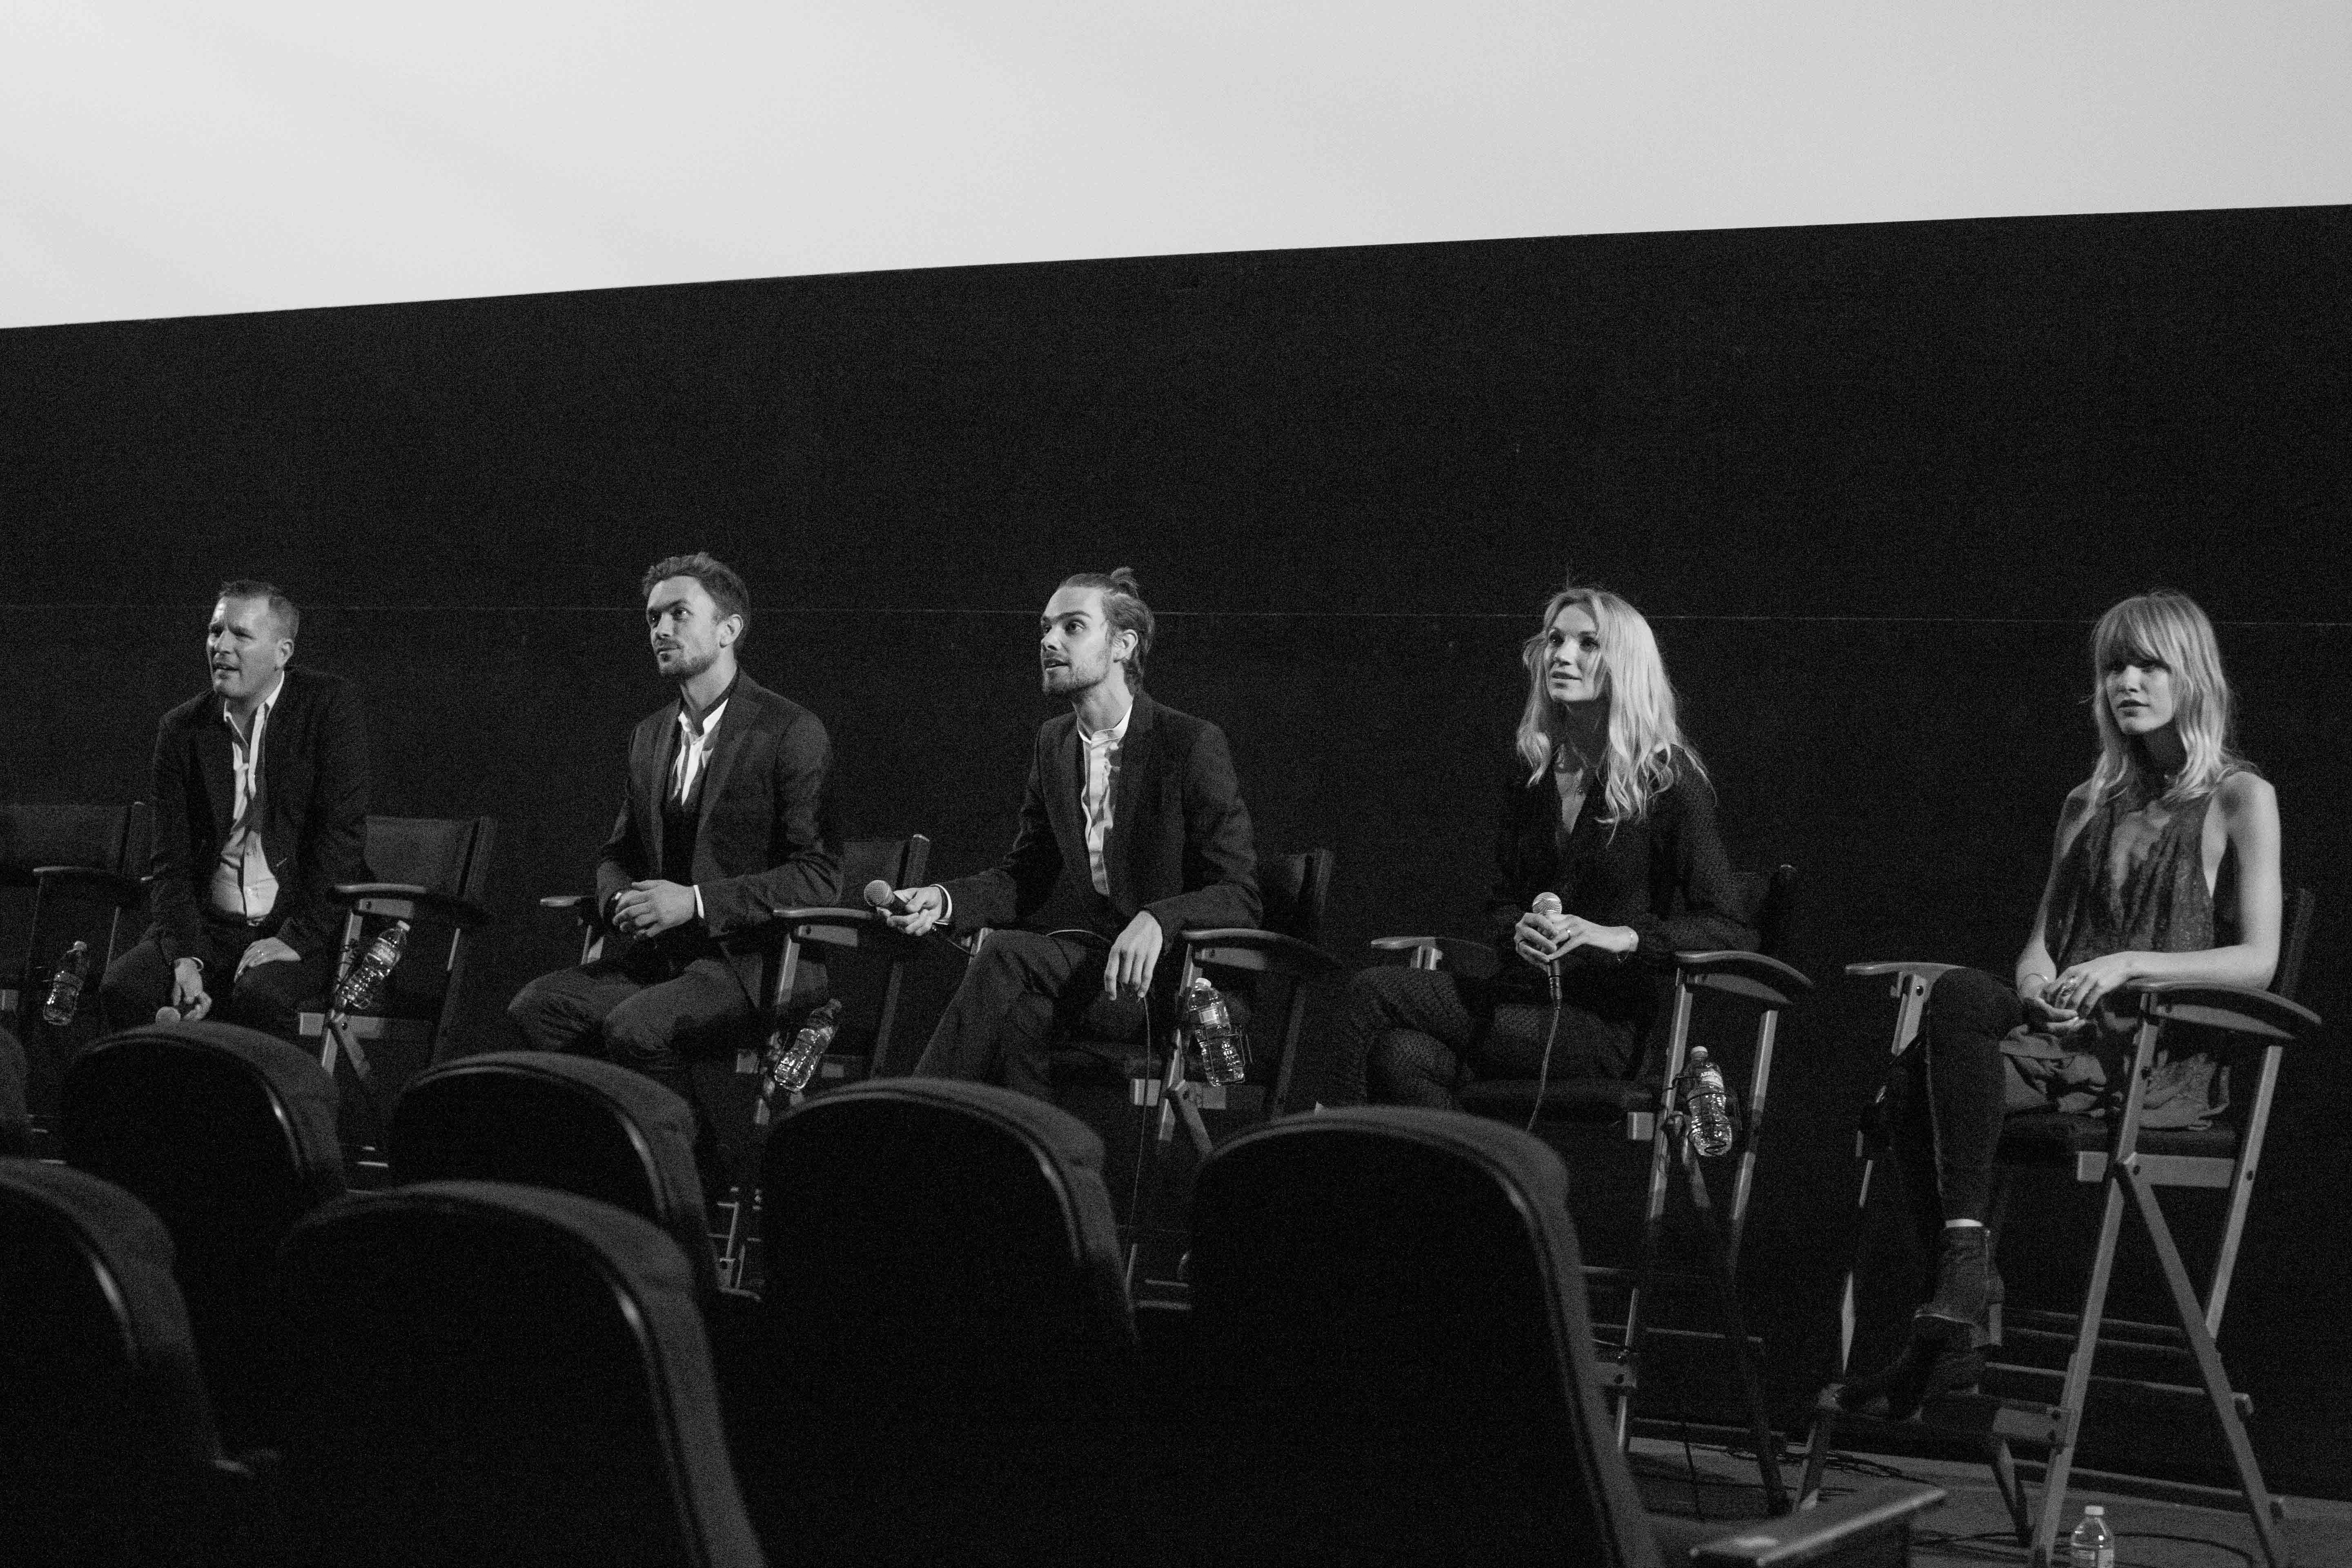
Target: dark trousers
x: 1022, y: 990
x: 1409, y: 1036
x: 267, y: 996
x: 646, y: 1010
x: 1947, y: 1095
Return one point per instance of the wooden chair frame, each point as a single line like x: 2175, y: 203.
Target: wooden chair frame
x: 2263, y: 1020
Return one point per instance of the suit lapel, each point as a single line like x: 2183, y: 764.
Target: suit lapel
x: 219, y: 772
x: 1138, y: 757
x: 734, y: 728
x: 653, y: 783
x: 1065, y: 785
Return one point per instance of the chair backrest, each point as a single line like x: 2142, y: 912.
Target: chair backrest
x: 897, y: 861
x: 1768, y: 903
x: 2294, y: 939
x: 229, y: 1136
x: 1293, y: 892
x: 572, y: 1123
x: 956, y: 1242
x: 105, y: 1436
x: 440, y: 855
x: 1389, y: 1311
x: 495, y: 1373
x: 41, y: 834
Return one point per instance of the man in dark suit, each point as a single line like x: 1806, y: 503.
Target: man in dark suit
x: 260, y: 795
x: 724, y: 823
x: 1133, y: 830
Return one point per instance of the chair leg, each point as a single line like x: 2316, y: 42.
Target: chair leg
x: 1751, y: 1382
x: 2078, y: 1378
x: 2011, y: 1487
x: 2209, y: 1364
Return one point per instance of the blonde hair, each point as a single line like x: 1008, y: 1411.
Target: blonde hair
x: 2164, y: 627
x: 1645, y: 741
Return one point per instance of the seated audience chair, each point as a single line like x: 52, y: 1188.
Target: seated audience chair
x: 2040, y: 1407
x: 1648, y: 1107
x: 434, y: 874
x: 64, y: 870
x: 948, y: 1350
x: 1395, y: 1364
x: 106, y: 1439
x: 571, y: 1123
x: 228, y: 1135
x: 494, y: 1373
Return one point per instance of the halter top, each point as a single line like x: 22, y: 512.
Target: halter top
x: 2160, y: 903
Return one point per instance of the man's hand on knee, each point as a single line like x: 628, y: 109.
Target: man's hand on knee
x: 1134, y: 956
x: 269, y: 949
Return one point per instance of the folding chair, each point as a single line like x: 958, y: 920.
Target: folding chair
x: 60, y: 868
x: 2039, y: 1407
x: 1268, y: 969
x: 800, y: 979
x: 1650, y: 1108
x: 434, y: 873
x: 1396, y: 1366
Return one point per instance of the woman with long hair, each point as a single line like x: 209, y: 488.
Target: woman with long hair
x: 1607, y: 810
x: 2165, y: 868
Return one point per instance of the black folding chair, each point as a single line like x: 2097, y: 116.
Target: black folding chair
x: 67, y: 873
x: 1650, y: 1108
x: 2042, y: 1408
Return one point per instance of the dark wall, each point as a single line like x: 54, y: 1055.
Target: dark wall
x: 1872, y: 484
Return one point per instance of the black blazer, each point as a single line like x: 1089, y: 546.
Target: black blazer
x: 1665, y: 876
x: 1180, y: 839
x: 314, y: 777
x: 763, y: 841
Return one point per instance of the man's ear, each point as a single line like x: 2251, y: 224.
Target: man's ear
x: 1122, y: 645
x: 729, y: 629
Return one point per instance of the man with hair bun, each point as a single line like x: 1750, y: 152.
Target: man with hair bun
x: 723, y: 823
x: 1133, y: 830
x: 260, y: 791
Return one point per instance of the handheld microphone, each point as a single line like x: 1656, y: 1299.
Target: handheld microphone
x: 1549, y: 904
x: 881, y: 895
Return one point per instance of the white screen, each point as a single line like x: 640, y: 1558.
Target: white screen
x: 183, y: 159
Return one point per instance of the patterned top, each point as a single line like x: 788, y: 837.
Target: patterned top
x: 2156, y: 903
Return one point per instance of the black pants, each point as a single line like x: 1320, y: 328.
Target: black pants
x: 267, y: 996
x: 1947, y: 1095
x: 1025, y: 989
x: 1409, y: 1035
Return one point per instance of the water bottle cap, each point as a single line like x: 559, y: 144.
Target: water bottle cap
x: 2094, y: 1511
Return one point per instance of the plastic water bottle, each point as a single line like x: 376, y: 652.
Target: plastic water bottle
x: 2093, y: 1544
x: 65, y: 986
x: 362, y: 988
x: 1709, y: 1103
x: 1225, y: 1049
x: 792, y: 1068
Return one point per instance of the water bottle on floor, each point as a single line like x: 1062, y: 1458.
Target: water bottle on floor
x: 1708, y: 1100
x: 65, y: 987
x: 2093, y: 1544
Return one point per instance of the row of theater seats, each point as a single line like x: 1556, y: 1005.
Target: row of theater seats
x: 521, y: 1354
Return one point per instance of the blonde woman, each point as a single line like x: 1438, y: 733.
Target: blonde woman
x: 2165, y: 868
x: 1608, y: 811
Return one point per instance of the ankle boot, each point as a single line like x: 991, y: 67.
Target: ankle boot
x: 1928, y: 1368
x: 1966, y: 1306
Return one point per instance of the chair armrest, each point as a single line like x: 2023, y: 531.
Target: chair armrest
x: 1473, y: 959
x: 1873, y: 1513
x: 847, y: 926
x: 1244, y: 947
x: 2241, y: 1009
x: 458, y: 911
x: 1898, y: 968
x: 112, y: 886
x: 1735, y: 973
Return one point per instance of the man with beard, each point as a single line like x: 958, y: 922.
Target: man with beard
x: 1133, y: 830
x: 260, y: 798
x: 724, y: 823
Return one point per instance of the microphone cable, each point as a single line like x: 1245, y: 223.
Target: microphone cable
x: 1543, y: 1075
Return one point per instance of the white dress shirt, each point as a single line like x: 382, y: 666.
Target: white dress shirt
x: 243, y: 884
x: 693, y: 743
x: 1098, y: 790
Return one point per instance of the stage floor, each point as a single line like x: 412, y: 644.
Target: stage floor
x: 1972, y: 1528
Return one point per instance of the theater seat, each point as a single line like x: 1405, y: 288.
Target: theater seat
x: 107, y: 1442
x: 505, y: 1375
x: 229, y: 1136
